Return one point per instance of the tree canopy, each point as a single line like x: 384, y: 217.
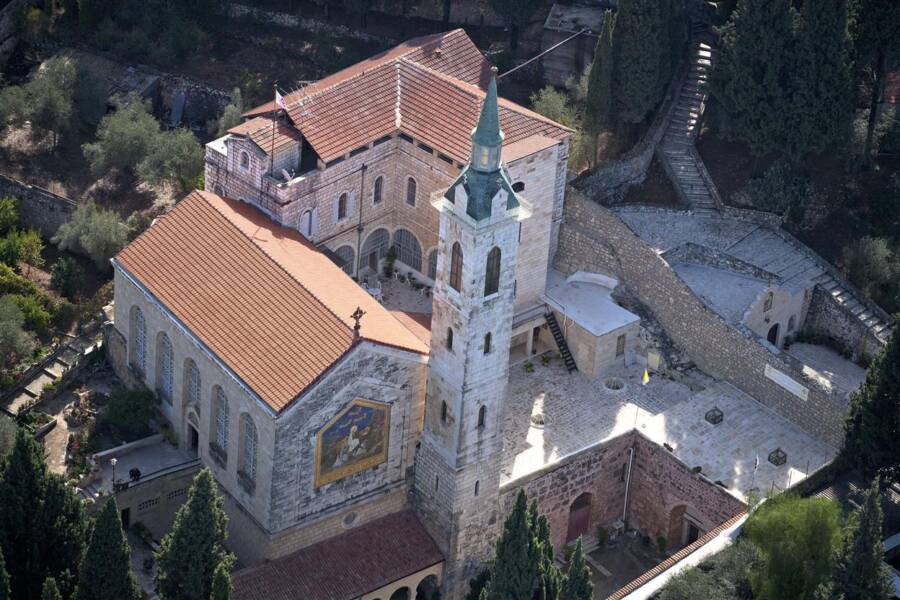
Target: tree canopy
x: 106, y: 567
x: 94, y: 232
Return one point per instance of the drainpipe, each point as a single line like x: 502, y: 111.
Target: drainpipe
x: 627, y: 485
x: 359, y: 225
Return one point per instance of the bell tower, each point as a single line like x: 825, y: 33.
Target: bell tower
x: 457, y: 475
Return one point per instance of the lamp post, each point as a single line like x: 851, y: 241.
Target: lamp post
x: 113, y: 462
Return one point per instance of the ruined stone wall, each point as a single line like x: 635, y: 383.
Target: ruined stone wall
x: 829, y: 318
x: 659, y: 484
x: 594, y: 239
x: 38, y: 208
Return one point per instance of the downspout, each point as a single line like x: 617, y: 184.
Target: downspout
x: 359, y: 225
x: 627, y: 485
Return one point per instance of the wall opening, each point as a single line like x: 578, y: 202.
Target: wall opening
x: 579, y: 517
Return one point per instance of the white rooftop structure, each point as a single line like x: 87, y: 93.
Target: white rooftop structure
x: 586, y: 298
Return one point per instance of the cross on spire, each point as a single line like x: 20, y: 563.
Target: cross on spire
x: 357, y: 317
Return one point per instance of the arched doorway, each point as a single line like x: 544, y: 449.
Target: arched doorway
x: 401, y: 594
x: 773, y: 335
x: 683, y: 529
x: 374, y: 249
x: 428, y: 589
x: 579, y: 517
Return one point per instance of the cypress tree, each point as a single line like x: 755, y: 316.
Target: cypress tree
x: 859, y: 572
x: 221, y: 586
x: 24, y: 481
x: 191, y: 552
x: 51, y: 590
x: 823, y: 79
x: 106, y: 569
x: 640, y: 38
x: 598, y: 109
x: 577, y: 585
x: 872, y: 441
x: 876, y: 25
x: 63, y: 533
x: 549, y: 576
x: 752, y: 80
x: 515, y: 571
x: 4, y: 579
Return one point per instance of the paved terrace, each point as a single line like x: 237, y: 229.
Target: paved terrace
x: 580, y: 412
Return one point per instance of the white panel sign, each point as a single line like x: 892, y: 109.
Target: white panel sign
x: 787, y: 382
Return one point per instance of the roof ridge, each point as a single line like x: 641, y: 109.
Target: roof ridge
x: 477, y: 93
x: 270, y: 257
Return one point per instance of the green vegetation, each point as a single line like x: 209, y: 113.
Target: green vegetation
x: 724, y: 576
x: 796, y: 538
x: 859, y: 571
x: 872, y: 441
x: 129, y: 413
x: 28, y: 497
x: 4, y: 579
x: 66, y: 277
x: 94, y: 232
x: 50, y: 590
x: 874, y: 267
x: 191, y: 553
x: 15, y: 342
x: 221, y: 586
x: 231, y: 115
x: 523, y: 566
x: 130, y: 141
x: 105, y: 572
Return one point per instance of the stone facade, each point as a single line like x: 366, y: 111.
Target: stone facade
x: 594, y: 238
x: 309, y: 201
x: 270, y: 512
x: 660, y: 490
x: 38, y: 208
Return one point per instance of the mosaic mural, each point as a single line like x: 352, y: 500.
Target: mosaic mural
x: 354, y: 440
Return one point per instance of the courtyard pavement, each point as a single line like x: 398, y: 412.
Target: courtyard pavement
x: 580, y: 412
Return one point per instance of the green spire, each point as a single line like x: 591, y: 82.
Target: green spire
x: 487, y: 133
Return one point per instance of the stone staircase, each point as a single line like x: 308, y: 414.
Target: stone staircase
x: 848, y: 299
x: 561, y: 342
x: 677, y: 146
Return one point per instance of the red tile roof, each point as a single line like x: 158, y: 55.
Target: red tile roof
x: 259, y: 130
x: 430, y: 88
x: 263, y: 299
x: 344, y: 567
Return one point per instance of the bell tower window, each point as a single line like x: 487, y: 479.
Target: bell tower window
x: 492, y: 272
x: 456, y: 265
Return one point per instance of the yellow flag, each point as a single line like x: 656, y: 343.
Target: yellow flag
x: 646, y: 378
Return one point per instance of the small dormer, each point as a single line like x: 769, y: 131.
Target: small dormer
x: 276, y: 142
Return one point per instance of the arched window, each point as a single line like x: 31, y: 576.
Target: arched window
x: 791, y: 323
x: 519, y: 186
x: 487, y: 343
x: 770, y: 297
x: 165, y: 366
x: 411, y: 191
x: 375, y: 247
x: 444, y: 412
x: 305, y: 226
x: 191, y: 383
x: 432, y: 264
x: 492, y: 272
x: 249, y: 443
x: 378, y: 190
x: 476, y: 488
x: 449, y: 338
x: 245, y: 160
x: 138, y: 341
x: 482, y: 415
x: 220, y: 416
x: 409, y: 251
x: 342, y: 207
x: 347, y: 254
x: 456, y: 266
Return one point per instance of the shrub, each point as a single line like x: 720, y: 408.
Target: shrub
x: 231, y: 116
x: 11, y: 248
x: 13, y: 283
x: 124, y: 139
x: 9, y: 213
x: 175, y: 157
x: 779, y: 190
x: 66, y: 277
x: 15, y: 342
x: 874, y: 267
x: 130, y: 412
x: 37, y: 317
x: 724, y: 576
x: 93, y: 231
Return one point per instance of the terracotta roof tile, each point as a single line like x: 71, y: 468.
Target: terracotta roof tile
x: 259, y: 130
x: 346, y: 566
x: 430, y: 88
x: 418, y: 323
x: 269, y: 304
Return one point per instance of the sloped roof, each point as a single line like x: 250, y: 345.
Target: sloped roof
x: 259, y: 130
x: 262, y: 298
x: 346, y: 566
x: 430, y: 88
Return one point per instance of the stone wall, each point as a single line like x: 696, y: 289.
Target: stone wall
x: 38, y: 208
x: 659, y: 485
x: 154, y: 502
x: 829, y: 318
x: 594, y: 239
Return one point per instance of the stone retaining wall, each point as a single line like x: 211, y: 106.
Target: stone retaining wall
x: 594, y: 239
x: 38, y: 208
